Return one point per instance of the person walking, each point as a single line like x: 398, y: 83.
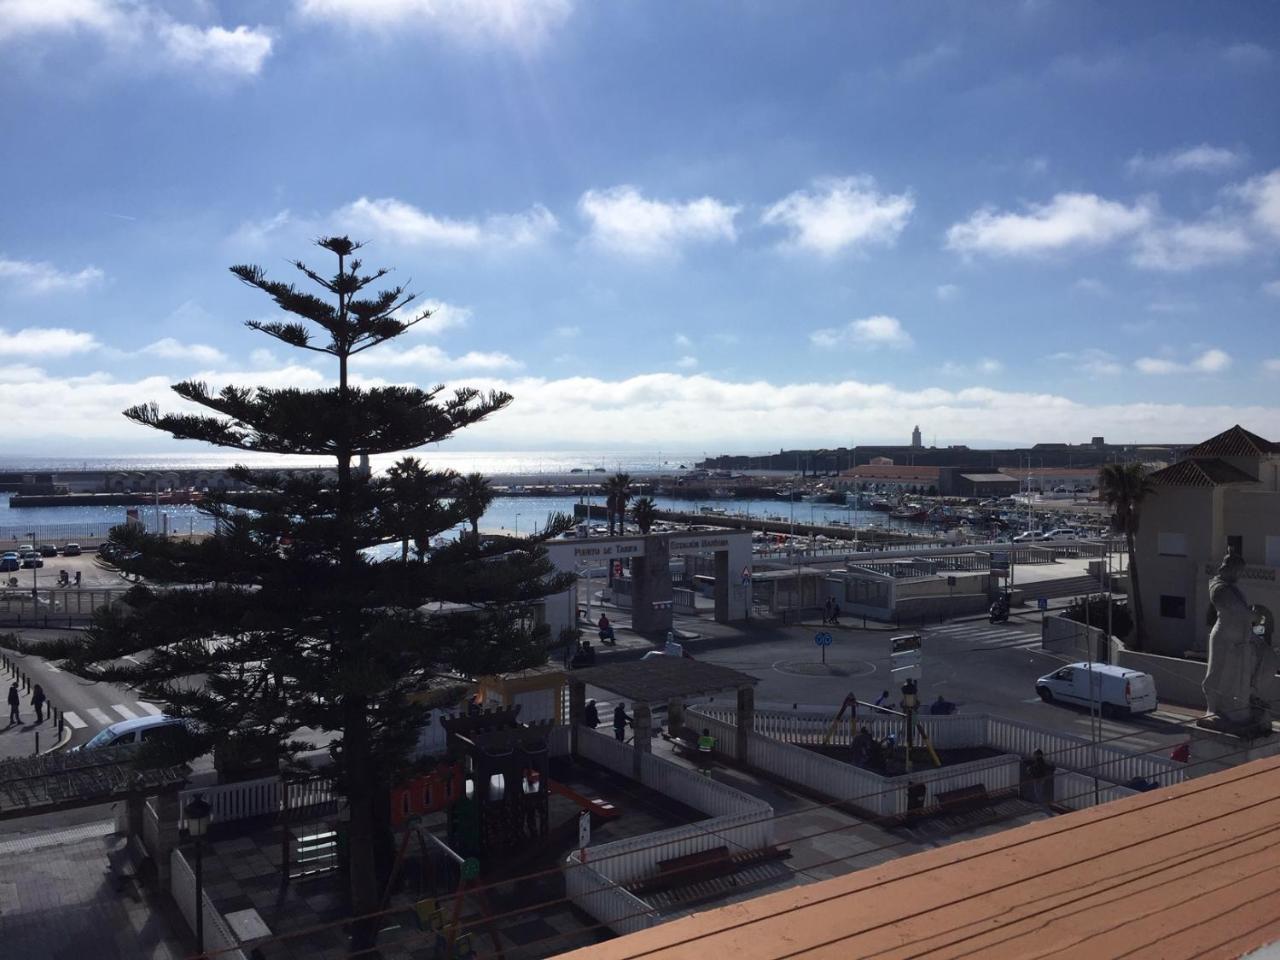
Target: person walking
x: 14, y: 701
x: 1039, y: 772
x: 883, y: 703
x: 835, y: 614
x: 37, y: 700
x: 706, y: 746
x: 620, y: 721
x: 591, y: 715
x: 826, y: 611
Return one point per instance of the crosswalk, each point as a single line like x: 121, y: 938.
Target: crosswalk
x: 97, y: 717
x: 981, y: 633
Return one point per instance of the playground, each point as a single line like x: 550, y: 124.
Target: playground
x: 895, y: 757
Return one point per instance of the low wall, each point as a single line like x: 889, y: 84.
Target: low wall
x: 596, y: 876
x: 218, y: 937
x: 1078, y: 791
x: 1177, y: 680
x: 1068, y: 637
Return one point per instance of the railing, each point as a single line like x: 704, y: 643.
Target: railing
x: 51, y: 605
x: 260, y: 798
x: 605, y: 750
x: 217, y: 935
x: 617, y: 908
x: 968, y: 730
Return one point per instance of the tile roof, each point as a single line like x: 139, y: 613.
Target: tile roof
x: 659, y: 679
x: 1200, y: 472
x: 1235, y: 442
x: 1180, y: 872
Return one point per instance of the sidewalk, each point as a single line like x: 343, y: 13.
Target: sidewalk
x: 59, y: 899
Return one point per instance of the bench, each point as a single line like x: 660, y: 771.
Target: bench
x: 691, y: 868
x: 963, y: 797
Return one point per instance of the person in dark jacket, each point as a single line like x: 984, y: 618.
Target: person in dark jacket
x: 37, y: 700
x: 14, y: 701
x: 591, y: 715
x: 620, y: 721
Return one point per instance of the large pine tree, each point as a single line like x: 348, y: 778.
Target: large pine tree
x: 286, y: 620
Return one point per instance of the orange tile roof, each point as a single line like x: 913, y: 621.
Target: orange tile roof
x: 1187, y: 871
x: 885, y: 471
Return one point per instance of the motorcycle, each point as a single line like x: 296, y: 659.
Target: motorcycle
x: 999, y: 613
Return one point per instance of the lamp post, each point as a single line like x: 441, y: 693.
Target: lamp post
x: 517, y: 524
x: 198, y: 814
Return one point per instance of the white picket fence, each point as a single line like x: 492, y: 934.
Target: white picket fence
x: 257, y: 798
x: 1077, y: 791
x: 964, y: 730
x: 739, y: 821
x: 217, y: 934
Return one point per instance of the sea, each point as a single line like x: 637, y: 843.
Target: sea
x: 508, y: 514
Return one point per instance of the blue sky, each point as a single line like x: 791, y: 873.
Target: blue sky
x: 721, y: 226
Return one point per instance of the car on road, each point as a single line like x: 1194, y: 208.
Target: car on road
x: 137, y: 730
x: 10, y: 561
x: 26, y: 547
x: 71, y: 550
x: 1029, y: 536
x: 47, y: 550
x: 32, y: 559
x: 1118, y: 691
x: 1062, y: 533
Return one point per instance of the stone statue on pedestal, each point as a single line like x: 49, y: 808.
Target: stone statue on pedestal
x: 1240, y: 679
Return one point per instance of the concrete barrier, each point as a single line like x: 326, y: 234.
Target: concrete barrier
x: 1177, y: 680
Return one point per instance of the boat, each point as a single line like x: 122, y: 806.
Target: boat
x: 881, y: 504
x: 910, y: 511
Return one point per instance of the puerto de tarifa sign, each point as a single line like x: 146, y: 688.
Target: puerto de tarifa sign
x: 607, y: 549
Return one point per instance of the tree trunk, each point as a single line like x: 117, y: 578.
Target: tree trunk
x: 361, y: 864
x: 1135, y: 595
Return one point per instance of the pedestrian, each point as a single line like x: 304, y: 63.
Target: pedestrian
x: 37, y: 700
x: 835, y: 614
x: 620, y: 721
x: 77, y: 578
x: 606, y: 629
x: 883, y: 702
x: 942, y: 707
x: 826, y: 611
x: 1181, y: 753
x: 1039, y: 773
x: 706, y: 744
x: 14, y: 700
x: 591, y: 715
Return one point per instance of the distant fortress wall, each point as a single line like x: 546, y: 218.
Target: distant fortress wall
x: 120, y: 481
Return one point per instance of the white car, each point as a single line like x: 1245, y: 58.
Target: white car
x: 1062, y: 533
x: 1117, y: 690
x: 1029, y: 536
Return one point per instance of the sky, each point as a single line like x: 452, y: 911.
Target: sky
x: 725, y: 226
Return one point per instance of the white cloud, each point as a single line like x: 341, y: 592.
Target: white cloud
x: 241, y: 51
x: 255, y: 233
x: 687, y: 362
x: 1185, y: 246
x: 839, y: 215
x: 1271, y: 366
x: 1202, y: 158
x: 262, y: 357
x: 682, y: 340
x: 404, y: 223
x: 19, y: 373
x: 46, y: 341
x: 524, y: 24
x: 430, y: 357
x: 172, y: 349
x: 624, y: 221
x: 1249, y: 55
x: 946, y: 292
x: 1272, y: 288
x: 37, y: 277
x: 1069, y: 220
x: 1091, y: 361
x: 444, y: 316
x: 1262, y: 193
x: 141, y: 34
x: 1210, y: 361
x: 985, y: 366
x: 567, y: 331
x: 869, y: 332
x: 1092, y: 285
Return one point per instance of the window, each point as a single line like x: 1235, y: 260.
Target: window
x: 1273, y: 551
x: 1175, y: 608
x: 1171, y: 544
x: 1235, y: 545
x: 1064, y: 674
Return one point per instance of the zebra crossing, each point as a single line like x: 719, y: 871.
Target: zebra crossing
x: 981, y: 633
x: 100, y: 717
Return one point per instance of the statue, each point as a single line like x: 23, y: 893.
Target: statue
x: 1235, y: 686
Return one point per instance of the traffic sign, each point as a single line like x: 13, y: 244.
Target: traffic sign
x: 1042, y: 603
x: 1000, y: 561
x: 822, y: 639
x: 904, y: 656
x: 746, y: 576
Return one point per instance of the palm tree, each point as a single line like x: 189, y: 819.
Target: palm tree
x: 644, y: 512
x: 474, y: 495
x: 618, y: 493
x: 1123, y: 487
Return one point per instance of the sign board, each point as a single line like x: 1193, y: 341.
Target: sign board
x: 1042, y: 603
x: 608, y: 550
x: 905, y: 643
x: 746, y: 576
x: 685, y: 544
x: 1000, y: 562
x: 951, y: 581
x: 904, y: 656
x: 822, y: 639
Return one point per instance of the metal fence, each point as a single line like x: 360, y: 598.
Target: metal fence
x: 61, y: 605
x: 218, y: 936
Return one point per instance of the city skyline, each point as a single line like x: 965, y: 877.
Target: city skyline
x: 729, y: 230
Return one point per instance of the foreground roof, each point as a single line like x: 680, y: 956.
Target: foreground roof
x: 1234, y: 442
x: 663, y: 678
x: 1184, y: 871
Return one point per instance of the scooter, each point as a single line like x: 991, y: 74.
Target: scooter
x: 999, y: 613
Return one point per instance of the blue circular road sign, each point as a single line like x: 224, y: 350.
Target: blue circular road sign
x: 822, y: 639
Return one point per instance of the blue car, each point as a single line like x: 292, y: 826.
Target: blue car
x: 10, y: 561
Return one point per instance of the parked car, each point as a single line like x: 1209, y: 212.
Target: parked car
x: 1117, y: 690
x: 1029, y: 536
x: 71, y: 550
x: 32, y: 559
x: 10, y: 561
x: 47, y: 550
x: 25, y: 548
x: 137, y: 730
x: 1062, y: 533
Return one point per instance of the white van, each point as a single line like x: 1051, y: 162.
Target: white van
x: 1118, y: 691
x: 136, y: 730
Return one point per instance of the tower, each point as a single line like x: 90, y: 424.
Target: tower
x: 915, y: 438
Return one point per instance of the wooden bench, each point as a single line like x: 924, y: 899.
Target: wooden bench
x: 963, y: 797
x: 691, y: 868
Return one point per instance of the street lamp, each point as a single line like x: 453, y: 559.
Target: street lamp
x: 198, y: 814
x: 517, y: 524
